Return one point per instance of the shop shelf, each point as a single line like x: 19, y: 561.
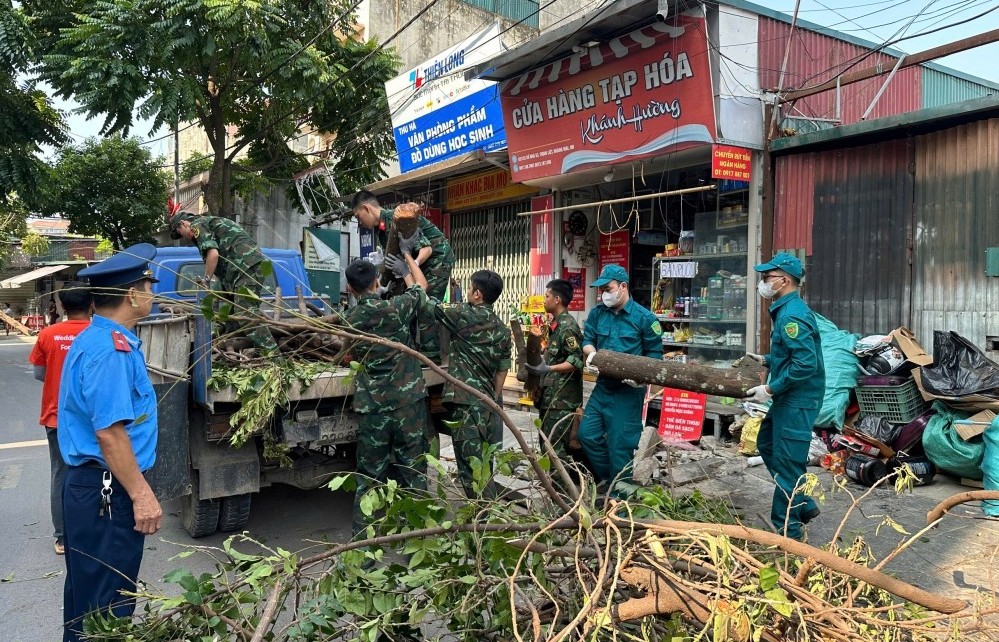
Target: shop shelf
x: 663, y: 317
x: 690, y: 257
x: 708, y: 346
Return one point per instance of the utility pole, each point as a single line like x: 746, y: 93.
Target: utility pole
x: 176, y: 160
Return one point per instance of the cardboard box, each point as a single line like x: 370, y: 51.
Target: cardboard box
x: 907, y: 343
x: 886, y: 450
x: 974, y: 425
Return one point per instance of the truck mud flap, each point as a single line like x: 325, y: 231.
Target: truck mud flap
x: 222, y: 469
x: 170, y: 477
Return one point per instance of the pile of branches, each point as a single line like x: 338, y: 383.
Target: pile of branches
x: 568, y: 566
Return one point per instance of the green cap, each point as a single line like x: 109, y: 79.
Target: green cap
x: 784, y: 262
x: 610, y: 273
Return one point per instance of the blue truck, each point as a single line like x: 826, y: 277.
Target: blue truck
x: 195, y: 460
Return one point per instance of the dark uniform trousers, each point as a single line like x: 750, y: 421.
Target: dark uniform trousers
x: 783, y: 440
x: 429, y: 342
x: 390, y: 442
x: 95, y: 544
x: 477, y: 428
x: 244, y: 305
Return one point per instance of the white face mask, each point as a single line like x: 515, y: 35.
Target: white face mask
x: 610, y: 299
x: 766, y: 290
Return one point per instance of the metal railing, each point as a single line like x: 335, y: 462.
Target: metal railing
x: 516, y: 10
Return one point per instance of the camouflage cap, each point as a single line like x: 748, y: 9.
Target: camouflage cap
x: 176, y: 220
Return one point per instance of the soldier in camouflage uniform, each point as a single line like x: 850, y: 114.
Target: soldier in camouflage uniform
x: 561, y: 369
x: 231, y: 255
x: 479, y: 356
x: 436, y: 264
x: 391, y: 394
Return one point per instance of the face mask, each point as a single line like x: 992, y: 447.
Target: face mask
x: 766, y: 290
x: 610, y: 299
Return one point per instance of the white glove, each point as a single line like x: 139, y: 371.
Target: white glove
x: 633, y: 383
x: 758, y: 394
x: 759, y: 358
x: 376, y: 258
x: 589, y: 368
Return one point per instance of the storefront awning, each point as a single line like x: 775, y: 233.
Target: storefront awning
x: 27, y: 277
x: 452, y: 167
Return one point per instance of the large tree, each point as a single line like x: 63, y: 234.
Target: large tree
x: 252, y: 75
x: 112, y: 187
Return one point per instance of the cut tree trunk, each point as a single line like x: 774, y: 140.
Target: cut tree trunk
x: 730, y: 382
x: 533, y: 355
x: 405, y: 221
x: 518, y: 342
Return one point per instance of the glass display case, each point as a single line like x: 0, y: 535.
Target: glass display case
x: 700, y: 294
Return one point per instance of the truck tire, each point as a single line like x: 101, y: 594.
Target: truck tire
x: 234, y: 513
x: 200, y: 516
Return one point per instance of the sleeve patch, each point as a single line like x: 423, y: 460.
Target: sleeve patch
x: 572, y: 343
x: 791, y: 329
x: 658, y: 329
x: 120, y: 342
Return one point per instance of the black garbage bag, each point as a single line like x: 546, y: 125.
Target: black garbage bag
x: 959, y: 368
x: 879, y: 428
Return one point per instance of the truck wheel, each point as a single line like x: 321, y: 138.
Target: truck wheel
x: 200, y: 516
x: 234, y: 513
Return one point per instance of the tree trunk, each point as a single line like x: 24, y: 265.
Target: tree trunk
x: 730, y: 382
x: 533, y: 354
x: 406, y: 221
x: 518, y: 342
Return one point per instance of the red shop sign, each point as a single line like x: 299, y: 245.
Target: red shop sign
x: 576, y: 276
x: 639, y: 95
x: 682, y: 415
x: 615, y: 248
x: 542, y: 243
x: 731, y: 163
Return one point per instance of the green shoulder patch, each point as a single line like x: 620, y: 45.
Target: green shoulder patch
x: 791, y: 329
x: 658, y: 329
x: 572, y: 343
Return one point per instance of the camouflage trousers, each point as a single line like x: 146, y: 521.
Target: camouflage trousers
x: 477, y: 428
x: 429, y: 344
x: 396, y: 440
x: 244, y: 305
x: 557, y: 430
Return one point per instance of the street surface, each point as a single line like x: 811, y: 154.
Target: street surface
x: 31, y: 593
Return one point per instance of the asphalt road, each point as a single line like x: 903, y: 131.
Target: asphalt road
x: 33, y: 575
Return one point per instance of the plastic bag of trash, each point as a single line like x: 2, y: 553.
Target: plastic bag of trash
x: 879, y: 428
x: 946, y: 449
x: 816, y: 449
x: 841, y: 366
x: 750, y: 430
x: 990, y: 466
x: 959, y: 368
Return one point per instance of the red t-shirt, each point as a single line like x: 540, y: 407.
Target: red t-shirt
x: 50, y: 351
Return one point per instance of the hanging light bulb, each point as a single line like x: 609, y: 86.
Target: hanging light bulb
x: 609, y: 176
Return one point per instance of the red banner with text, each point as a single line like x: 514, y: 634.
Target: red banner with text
x: 731, y: 163
x: 682, y: 415
x: 576, y: 276
x: 542, y: 243
x: 639, y: 95
x: 615, y: 248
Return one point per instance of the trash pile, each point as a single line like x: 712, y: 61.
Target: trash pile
x: 888, y: 403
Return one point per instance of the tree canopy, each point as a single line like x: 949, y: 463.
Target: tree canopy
x: 112, y: 187
x: 252, y: 75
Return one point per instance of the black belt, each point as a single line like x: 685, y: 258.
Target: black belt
x: 93, y: 463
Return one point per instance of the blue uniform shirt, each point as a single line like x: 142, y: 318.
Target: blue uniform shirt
x: 631, y: 330
x: 797, y: 373
x: 104, y: 381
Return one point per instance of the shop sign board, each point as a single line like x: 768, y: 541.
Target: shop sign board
x: 615, y: 248
x: 731, y: 163
x: 639, y: 95
x: 576, y: 276
x: 482, y: 188
x: 437, y: 114
x: 542, y: 243
x: 322, y: 260
x: 682, y: 415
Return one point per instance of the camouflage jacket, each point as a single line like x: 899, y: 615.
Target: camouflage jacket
x: 480, y: 347
x: 442, y: 255
x: 238, y: 253
x: 388, y: 380
x: 565, y: 344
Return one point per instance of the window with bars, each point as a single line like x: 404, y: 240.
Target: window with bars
x: 516, y: 10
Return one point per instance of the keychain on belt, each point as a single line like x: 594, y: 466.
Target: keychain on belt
x: 106, y: 495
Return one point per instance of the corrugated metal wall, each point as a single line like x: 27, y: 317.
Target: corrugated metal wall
x: 851, y: 210
x: 816, y: 58
x: 957, y: 217
x: 940, y: 88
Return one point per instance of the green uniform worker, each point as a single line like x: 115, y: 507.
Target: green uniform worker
x: 435, y: 258
x: 231, y: 255
x: 479, y: 355
x: 797, y: 383
x: 561, y: 369
x: 612, y: 421
x: 391, y: 393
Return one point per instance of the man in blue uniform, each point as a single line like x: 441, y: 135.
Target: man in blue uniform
x: 107, y: 436
x: 612, y: 421
x: 796, y: 383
